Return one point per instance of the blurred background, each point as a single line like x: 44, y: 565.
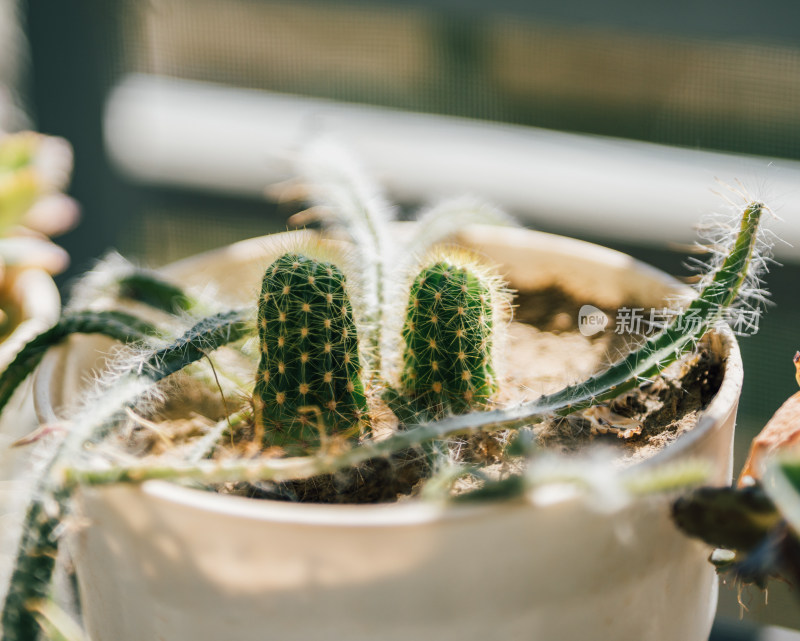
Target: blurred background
x: 611, y: 122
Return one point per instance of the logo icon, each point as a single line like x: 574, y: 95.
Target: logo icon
x: 591, y: 320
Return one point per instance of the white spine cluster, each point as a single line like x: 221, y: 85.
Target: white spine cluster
x: 717, y: 233
x: 353, y: 203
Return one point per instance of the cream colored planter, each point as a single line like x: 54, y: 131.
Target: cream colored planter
x: 165, y: 562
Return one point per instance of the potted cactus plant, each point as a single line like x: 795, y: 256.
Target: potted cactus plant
x: 342, y: 369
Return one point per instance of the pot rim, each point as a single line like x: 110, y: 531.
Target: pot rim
x: 416, y: 512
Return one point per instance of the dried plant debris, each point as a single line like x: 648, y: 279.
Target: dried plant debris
x: 379, y: 480
x: 645, y: 420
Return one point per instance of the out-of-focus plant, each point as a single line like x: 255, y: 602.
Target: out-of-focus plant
x: 34, y: 172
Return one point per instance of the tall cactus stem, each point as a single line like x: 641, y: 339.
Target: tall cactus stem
x: 309, y: 356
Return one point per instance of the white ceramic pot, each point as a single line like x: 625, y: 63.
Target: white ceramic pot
x: 166, y: 562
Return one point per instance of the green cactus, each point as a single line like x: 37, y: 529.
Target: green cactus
x: 309, y: 356
x: 448, y: 336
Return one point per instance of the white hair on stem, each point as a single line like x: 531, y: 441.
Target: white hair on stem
x: 95, y: 288
x: 717, y: 232
x: 138, y: 383
x: 352, y: 202
x: 440, y: 221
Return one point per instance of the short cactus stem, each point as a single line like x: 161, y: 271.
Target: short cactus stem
x: 308, y: 383
x: 448, y: 339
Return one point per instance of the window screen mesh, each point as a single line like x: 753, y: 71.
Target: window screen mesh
x: 726, y: 93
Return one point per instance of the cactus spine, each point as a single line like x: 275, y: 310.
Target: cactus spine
x: 448, y: 336
x: 309, y: 356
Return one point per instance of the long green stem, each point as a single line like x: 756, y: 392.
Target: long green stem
x: 374, y: 253
x: 204, y: 337
x: 340, y: 186
x: 118, y: 325
x: 30, y: 582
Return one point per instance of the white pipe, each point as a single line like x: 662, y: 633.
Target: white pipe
x: 208, y: 137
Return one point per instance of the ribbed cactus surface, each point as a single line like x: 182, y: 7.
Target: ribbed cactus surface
x: 447, y: 335
x: 309, y: 373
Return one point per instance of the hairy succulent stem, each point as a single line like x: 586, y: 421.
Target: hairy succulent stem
x: 201, y: 339
x: 117, y: 325
x: 352, y: 202
x: 65, y: 471
x: 30, y: 582
x: 377, y: 237
x: 115, y: 279
x: 149, y: 288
